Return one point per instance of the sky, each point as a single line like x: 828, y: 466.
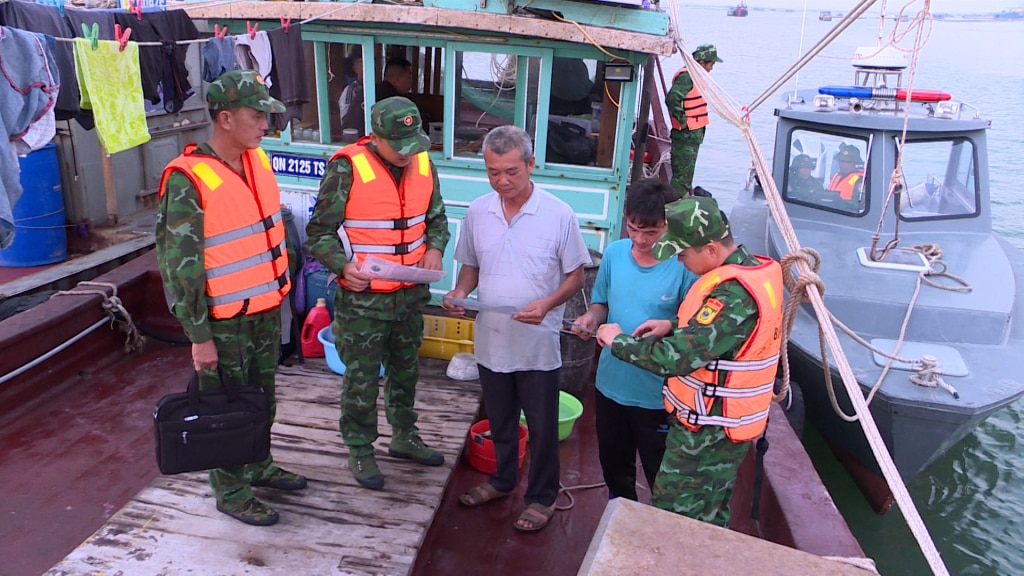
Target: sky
x: 939, y: 6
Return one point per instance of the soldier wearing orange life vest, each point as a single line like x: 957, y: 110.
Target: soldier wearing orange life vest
x: 220, y: 245
x: 689, y: 113
x: 380, y: 197
x: 849, y: 180
x: 720, y: 359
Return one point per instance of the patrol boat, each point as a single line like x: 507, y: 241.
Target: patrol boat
x: 935, y: 288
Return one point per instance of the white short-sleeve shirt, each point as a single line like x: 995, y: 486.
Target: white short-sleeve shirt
x: 520, y: 262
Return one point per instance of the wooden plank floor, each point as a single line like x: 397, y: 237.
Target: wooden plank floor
x: 333, y: 527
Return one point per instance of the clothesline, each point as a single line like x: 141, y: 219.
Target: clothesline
x: 179, y: 42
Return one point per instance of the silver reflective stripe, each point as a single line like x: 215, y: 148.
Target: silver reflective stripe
x: 346, y: 245
x: 725, y: 392
x: 746, y: 365
x: 226, y: 269
x: 703, y: 420
x: 257, y: 228
x: 272, y: 286
x: 377, y: 249
x: 385, y: 224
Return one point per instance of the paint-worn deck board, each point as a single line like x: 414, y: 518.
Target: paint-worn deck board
x: 333, y: 527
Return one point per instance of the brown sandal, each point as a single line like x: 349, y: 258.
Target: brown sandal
x: 482, y: 494
x: 534, y: 518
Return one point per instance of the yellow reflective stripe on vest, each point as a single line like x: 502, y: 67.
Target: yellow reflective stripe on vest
x: 244, y: 231
x: 207, y: 175
x: 363, y: 168
x: 423, y: 161
x: 225, y: 269
x: 263, y: 158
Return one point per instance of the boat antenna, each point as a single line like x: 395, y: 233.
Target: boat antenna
x: 800, y: 50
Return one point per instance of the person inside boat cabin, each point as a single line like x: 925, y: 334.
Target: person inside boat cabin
x: 849, y: 180
x: 801, y: 185
x: 689, y: 114
x: 719, y: 360
x: 397, y: 79
x: 633, y: 286
x: 520, y: 247
x: 380, y: 196
x: 207, y: 195
x: 352, y: 111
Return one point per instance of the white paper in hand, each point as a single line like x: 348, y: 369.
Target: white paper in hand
x: 382, y: 269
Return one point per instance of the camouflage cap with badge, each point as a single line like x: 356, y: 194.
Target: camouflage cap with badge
x: 692, y: 221
x: 706, y: 53
x: 849, y: 153
x: 397, y: 120
x: 241, y: 88
x: 803, y: 161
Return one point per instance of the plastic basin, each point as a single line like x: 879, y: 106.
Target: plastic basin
x: 569, y: 411
x: 326, y: 337
x: 481, y: 447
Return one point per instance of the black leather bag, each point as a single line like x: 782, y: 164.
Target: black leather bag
x: 204, y: 429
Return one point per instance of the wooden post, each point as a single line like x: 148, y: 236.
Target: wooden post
x: 107, y: 164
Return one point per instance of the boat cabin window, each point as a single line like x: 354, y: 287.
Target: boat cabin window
x: 827, y: 171
x: 493, y: 90
x: 938, y: 179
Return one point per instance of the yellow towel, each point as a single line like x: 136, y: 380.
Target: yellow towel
x: 111, y: 85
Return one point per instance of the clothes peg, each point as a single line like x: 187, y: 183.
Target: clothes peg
x: 219, y: 32
x: 122, y: 39
x: 92, y: 36
x: 251, y: 29
x: 285, y: 23
x: 135, y: 7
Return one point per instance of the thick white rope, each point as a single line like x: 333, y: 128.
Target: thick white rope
x: 724, y: 106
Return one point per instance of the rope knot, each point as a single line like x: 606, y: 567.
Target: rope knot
x: 929, y: 375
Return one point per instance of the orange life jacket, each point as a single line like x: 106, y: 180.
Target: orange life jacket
x: 695, y: 108
x: 383, y: 218
x: 845, y: 184
x: 244, y: 250
x: 746, y: 390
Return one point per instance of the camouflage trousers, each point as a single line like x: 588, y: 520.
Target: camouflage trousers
x: 370, y: 331
x: 247, y: 350
x: 698, y: 473
x: 685, y: 145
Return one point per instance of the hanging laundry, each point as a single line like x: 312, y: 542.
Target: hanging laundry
x: 28, y: 89
x: 291, y: 84
x: 34, y: 17
x: 112, y: 88
x: 218, y: 57
x: 42, y: 130
x: 102, y: 18
x: 168, y: 27
x: 254, y: 54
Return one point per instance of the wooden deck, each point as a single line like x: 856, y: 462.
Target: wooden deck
x: 333, y: 527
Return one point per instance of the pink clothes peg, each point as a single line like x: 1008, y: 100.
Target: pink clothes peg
x: 285, y: 23
x: 122, y: 39
x: 220, y: 32
x: 251, y: 29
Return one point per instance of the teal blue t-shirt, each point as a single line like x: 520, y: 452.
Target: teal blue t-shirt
x: 633, y: 294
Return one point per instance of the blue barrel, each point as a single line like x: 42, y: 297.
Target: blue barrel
x: 39, y: 229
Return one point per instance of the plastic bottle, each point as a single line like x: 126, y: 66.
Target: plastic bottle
x: 317, y: 319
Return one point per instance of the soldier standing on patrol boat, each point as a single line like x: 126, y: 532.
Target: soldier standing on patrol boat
x: 689, y: 113
x: 380, y: 197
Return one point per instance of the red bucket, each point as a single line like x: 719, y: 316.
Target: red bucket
x: 481, y: 448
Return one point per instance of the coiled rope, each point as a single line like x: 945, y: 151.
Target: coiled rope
x: 119, y: 316
x: 730, y: 111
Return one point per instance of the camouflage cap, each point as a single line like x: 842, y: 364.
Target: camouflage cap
x: 803, y: 161
x: 706, y: 53
x: 848, y: 153
x: 241, y: 88
x: 692, y: 221
x: 397, y: 120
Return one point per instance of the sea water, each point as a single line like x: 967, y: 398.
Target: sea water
x: 972, y: 499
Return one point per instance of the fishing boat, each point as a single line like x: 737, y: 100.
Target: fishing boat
x: 78, y: 404
x: 825, y: 16
x: 739, y: 10
x: 928, y: 292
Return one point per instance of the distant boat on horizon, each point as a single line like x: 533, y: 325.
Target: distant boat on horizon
x: 739, y: 10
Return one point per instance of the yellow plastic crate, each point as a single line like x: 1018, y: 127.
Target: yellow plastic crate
x: 444, y: 337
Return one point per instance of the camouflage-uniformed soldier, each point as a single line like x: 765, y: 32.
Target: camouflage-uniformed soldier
x: 380, y: 197
x: 232, y: 318
x: 801, y: 185
x: 689, y: 114
x: 720, y: 360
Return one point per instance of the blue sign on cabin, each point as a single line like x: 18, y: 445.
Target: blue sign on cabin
x: 300, y: 166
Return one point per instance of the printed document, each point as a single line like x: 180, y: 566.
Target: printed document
x: 382, y: 269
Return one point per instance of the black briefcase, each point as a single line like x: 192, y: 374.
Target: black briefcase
x: 204, y: 429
